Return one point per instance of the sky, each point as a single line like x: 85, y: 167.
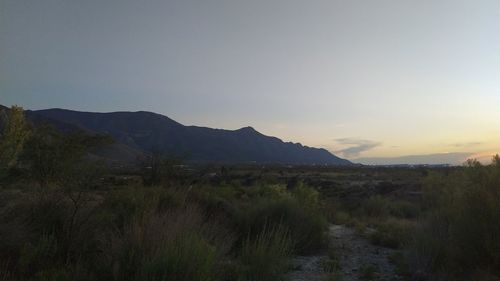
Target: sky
x: 361, y: 78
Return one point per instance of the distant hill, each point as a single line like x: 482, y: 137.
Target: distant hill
x: 142, y: 132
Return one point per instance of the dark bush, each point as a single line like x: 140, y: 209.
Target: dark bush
x: 307, y: 227
x: 460, y: 238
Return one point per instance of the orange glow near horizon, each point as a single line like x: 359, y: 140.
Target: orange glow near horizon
x: 484, y: 157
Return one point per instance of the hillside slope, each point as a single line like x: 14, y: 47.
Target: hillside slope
x: 147, y: 131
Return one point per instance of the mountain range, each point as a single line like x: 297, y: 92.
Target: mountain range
x: 139, y: 133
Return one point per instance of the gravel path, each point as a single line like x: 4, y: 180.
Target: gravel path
x: 308, y: 268
x: 356, y: 255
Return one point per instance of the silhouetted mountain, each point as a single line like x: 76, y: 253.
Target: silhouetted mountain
x: 146, y: 131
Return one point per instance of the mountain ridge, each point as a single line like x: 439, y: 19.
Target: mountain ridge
x: 144, y: 131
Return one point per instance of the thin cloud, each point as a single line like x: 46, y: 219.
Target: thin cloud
x: 467, y: 144
x: 453, y: 158
x: 355, y: 146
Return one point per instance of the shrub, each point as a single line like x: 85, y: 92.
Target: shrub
x: 461, y: 235
x: 307, y: 196
x: 183, y: 258
x: 392, y: 233
x: 307, y: 227
x: 177, y: 245
x: 135, y: 201
x: 375, y: 206
x: 404, y: 209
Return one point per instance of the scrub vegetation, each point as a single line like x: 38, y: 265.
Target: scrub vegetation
x: 64, y: 216
x: 67, y: 216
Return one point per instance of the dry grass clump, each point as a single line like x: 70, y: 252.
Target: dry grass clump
x: 265, y: 256
x: 175, y: 245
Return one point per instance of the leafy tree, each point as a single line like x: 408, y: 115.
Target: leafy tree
x: 53, y: 157
x: 15, y: 133
x: 496, y: 161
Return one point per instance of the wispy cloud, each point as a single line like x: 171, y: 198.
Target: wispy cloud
x: 467, y: 144
x: 454, y: 158
x: 354, y: 146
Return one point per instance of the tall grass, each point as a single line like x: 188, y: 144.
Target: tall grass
x: 173, y: 246
x: 307, y: 226
x: 265, y: 257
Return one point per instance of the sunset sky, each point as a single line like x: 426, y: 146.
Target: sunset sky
x: 361, y: 78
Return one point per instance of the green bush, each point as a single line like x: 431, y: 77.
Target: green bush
x: 392, y: 233
x: 307, y: 196
x: 307, y: 227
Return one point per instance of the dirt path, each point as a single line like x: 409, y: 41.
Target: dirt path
x: 358, y: 258
x: 308, y: 268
